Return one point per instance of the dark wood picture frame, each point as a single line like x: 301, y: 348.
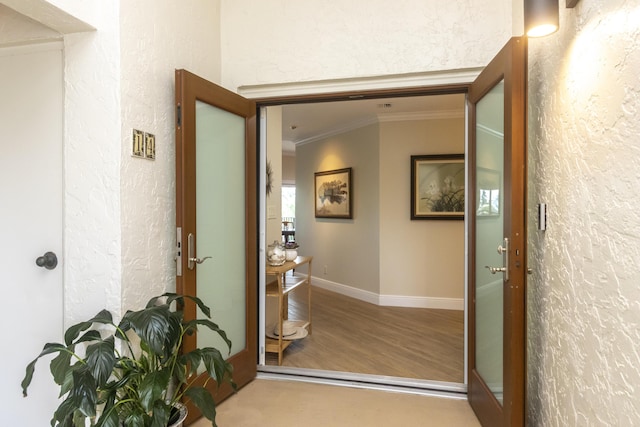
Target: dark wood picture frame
x: 437, y: 186
x: 333, y: 193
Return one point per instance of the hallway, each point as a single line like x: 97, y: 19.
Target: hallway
x: 280, y: 403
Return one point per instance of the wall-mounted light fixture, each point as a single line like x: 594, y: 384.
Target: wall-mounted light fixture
x: 541, y: 17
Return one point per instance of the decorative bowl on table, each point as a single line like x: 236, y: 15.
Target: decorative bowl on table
x: 291, y: 250
x: 276, y: 254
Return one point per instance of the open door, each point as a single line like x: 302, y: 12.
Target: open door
x: 497, y: 238
x: 216, y: 218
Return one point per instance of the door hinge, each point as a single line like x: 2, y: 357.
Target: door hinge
x: 179, y: 115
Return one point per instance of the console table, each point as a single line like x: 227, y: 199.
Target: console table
x: 286, y: 281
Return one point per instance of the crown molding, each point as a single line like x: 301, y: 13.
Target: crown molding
x: 397, y: 81
x: 421, y: 115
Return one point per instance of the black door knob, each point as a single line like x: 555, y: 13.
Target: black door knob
x: 48, y: 261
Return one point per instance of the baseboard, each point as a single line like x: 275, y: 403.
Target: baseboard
x: 362, y: 295
x: 389, y: 300
x: 422, y: 302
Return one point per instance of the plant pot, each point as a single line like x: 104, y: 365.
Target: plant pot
x: 183, y: 415
x: 291, y: 254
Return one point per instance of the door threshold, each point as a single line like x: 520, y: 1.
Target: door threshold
x: 366, y: 381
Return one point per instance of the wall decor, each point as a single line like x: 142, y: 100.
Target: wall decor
x: 488, y: 184
x: 333, y: 194
x: 437, y: 186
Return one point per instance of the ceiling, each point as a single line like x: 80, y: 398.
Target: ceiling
x: 303, y: 123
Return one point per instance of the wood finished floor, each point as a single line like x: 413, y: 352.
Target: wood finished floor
x: 350, y: 335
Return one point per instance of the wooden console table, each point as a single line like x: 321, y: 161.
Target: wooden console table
x: 281, y: 287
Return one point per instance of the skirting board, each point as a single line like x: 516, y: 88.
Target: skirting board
x: 389, y: 300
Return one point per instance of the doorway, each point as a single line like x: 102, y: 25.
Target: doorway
x: 342, y: 289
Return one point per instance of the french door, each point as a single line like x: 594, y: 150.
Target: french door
x: 497, y: 238
x: 216, y: 218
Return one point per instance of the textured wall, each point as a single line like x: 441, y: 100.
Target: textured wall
x: 157, y: 37
x: 304, y: 40
x: 92, y: 271
x: 584, y: 295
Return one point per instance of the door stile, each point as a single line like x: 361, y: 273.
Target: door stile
x: 511, y: 65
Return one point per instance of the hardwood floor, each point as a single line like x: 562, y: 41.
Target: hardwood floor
x: 350, y: 335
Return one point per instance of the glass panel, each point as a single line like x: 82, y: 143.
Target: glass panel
x: 489, y: 235
x: 220, y: 223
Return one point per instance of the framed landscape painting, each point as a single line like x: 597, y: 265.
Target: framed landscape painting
x: 437, y: 186
x: 333, y: 194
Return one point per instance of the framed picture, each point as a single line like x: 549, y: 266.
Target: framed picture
x: 488, y: 192
x: 437, y: 186
x: 333, y: 194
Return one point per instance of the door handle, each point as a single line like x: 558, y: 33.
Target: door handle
x: 495, y: 270
x: 504, y: 251
x: 49, y: 261
x: 191, y: 258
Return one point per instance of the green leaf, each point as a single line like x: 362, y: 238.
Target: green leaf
x: 161, y: 413
x: 192, y: 360
x: 89, y: 336
x: 103, y: 317
x: 193, y: 325
x: 153, y: 387
x: 216, y: 365
x: 134, y: 420
x: 151, y: 324
x: 203, y: 401
x: 109, y: 418
x: 64, y: 415
x: 47, y: 349
x: 59, y: 366
x: 67, y: 383
x: 83, y: 394
x: 101, y: 360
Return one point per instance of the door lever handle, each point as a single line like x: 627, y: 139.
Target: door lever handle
x: 495, y: 270
x: 199, y: 260
x: 191, y: 248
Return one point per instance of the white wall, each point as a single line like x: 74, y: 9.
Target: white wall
x: 157, y: 37
x: 305, y: 40
x: 584, y: 295
x: 119, y: 211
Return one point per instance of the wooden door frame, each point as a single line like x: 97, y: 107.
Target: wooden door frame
x: 510, y: 66
x: 190, y: 84
x: 354, y: 95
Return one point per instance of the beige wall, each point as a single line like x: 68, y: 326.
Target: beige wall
x: 381, y: 250
x: 288, y: 169
x: 274, y: 157
x: 347, y: 247
x: 419, y: 257
x: 584, y: 158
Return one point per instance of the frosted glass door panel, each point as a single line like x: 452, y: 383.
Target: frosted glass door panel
x: 220, y: 223
x: 489, y: 235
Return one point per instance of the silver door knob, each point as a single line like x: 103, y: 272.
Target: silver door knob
x: 49, y: 261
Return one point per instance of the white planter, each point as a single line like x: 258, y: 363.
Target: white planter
x: 291, y: 254
x: 183, y: 415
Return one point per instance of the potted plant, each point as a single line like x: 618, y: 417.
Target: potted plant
x: 291, y: 250
x: 134, y: 374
